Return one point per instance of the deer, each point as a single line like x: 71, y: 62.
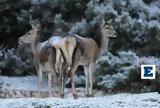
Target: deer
x: 46, y: 60
x: 78, y: 50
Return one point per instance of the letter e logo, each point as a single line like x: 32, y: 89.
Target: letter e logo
x: 148, y: 71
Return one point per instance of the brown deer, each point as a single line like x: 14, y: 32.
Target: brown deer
x: 45, y: 59
x: 85, y: 51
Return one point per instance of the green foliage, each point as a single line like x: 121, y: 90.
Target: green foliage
x: 55, y: 17
x: 16, y: 62
x: 136, y: 22
x: 123, y: 72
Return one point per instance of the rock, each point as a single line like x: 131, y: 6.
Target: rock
x: 11, y: 93
x: 7, y: 95
x: 2, y: 94
x: 34, y: 94
x: 27, y: 93
x: 18, y: 94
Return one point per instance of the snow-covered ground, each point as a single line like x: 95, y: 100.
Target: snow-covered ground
x: 145, y: 100
x: 125, y: 100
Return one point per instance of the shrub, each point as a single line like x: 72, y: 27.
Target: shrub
x: 122, y: 71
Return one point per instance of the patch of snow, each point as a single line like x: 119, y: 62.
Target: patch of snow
x: 30, y: 83
x: 43, y: 44
x: 145, y: 100
x: 22, y: 83
x: 54, y: 40
x: 125, y: 100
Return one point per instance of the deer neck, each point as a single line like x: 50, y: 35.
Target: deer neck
x: 104, y: 43
x: 36, y: 41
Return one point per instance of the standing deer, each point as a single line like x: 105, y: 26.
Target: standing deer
x: 85, y: 51
x: 45, y: 59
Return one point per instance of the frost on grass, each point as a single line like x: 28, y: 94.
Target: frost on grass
x: 146, y: 100
x: 101, y: 100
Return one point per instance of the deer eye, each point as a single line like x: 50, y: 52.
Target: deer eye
x: 29, y: 33
x: 106, y: 23
x: 107, y: 27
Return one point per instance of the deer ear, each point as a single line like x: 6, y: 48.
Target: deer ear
x: 38, y: 27
x: 102, y: 21
x: 33, y: 27
x: 110, y: 21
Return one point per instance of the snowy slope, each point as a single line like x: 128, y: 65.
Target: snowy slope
x: 29, y: 83
x: 145, y: 100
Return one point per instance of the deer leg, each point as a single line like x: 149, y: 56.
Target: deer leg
x: 57, y: 68
x: 39, y: 79
x: 62, y: 81
x: 58, y: 65
x: 52, y: 76
x: 86, y: 71
x: 73, y: 82
x: 53, y: 79
x: 91, y: 68
x: 62, y: 86
x: 49, y: 83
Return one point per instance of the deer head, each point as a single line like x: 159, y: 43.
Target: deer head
x: 107, y: 29
x: 30, y: 36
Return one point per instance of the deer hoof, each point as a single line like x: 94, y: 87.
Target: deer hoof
x: 75, y: 96
x: 39, y: 95
x: 87, y: 95
x: 62, y: 96
x: 91, y: 95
